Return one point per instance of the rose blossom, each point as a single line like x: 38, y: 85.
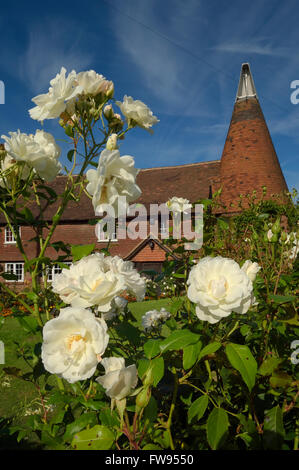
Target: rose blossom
x: 114, y: 177
x: 137, y: 113
x: 218, y: 287
x: 89, y: 281
x: 119, y: 381
x: 91, y: 82
x: 293, y: 240
x: 50, y: 105
x: 134, y: 283
x: 251, y: 269
x: 118, y: 306
x: 178, y: 204
x: 39, y: 151
x: 154, y: 318
x: 72, y: 343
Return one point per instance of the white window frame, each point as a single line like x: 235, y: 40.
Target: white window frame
x: 55, y: 269
x: 14, y: 271
x: 164, y: 230
x: 9, y: 238
x: 105, y: 240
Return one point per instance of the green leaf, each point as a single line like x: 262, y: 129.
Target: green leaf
x: 79, y: 251
x: 97, y: 438
x: 151, y: 447
x: 217, y: 427
x: 14, y: 371
x: 280, y: 379
x: 69, y: 131
x: 53, y: 443
x: 269, y: 365
x: 198, y: 408
x: 80, y: 423
x: 9, y: 276
x: 70, y: 155
x: 209, y: 349
x: 28, y: 323
x: 108, y: 417
x: 191, y: 354
x: 241, y: 359
x: 150, y: 411
x: 28, y: 216
x: 128, y: 332
x: 157, y: 366
x: 178, y: 340
x: 222, y: 224
x: 151, y: 348
x: 273, y: 428
x: 282, y: 299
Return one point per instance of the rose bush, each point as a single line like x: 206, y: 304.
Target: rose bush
x: 210, y: 366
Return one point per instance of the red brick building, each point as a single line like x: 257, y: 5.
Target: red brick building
x: 248, y: 162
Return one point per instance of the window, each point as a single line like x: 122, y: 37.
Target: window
x: 54, y: 270
x: 164, y: 229
x: 17, y: 269
x: 103, y: 236
x: 9, y: 238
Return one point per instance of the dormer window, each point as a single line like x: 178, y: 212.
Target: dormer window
x: 9, y: 236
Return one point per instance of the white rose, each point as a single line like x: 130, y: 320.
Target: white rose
x: 138, y: 112
x: 251, y: 269
x: 218, y: 287
x: 114, y: 177
x: 90, y: 82
x: 154, y: 318
x: 292, y: 239
x: 118, y: 305
x: 119, y: 381
x: 178, y: 204
x: 46, y: 164
x: 39, y: 151
x: 89, y: 282
x: 107, y: 87
x: 72, y: 343
x: 134, y: 283
x: 50, y: 105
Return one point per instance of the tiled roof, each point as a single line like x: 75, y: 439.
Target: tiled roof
x: 190, y: 181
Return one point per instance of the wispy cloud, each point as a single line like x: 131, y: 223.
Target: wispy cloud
x: 153, y: 38
x: 53, y: 44
x: 258, y: 46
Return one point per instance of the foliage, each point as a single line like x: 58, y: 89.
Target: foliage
x: 228, y: 385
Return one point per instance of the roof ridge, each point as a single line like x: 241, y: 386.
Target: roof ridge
x: 179, y: 166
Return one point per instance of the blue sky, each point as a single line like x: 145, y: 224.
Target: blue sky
x: 181, y: 57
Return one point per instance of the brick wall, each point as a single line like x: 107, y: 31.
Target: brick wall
x: 249, y: 160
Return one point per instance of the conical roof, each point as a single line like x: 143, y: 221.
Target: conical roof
x: 249, y: 159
